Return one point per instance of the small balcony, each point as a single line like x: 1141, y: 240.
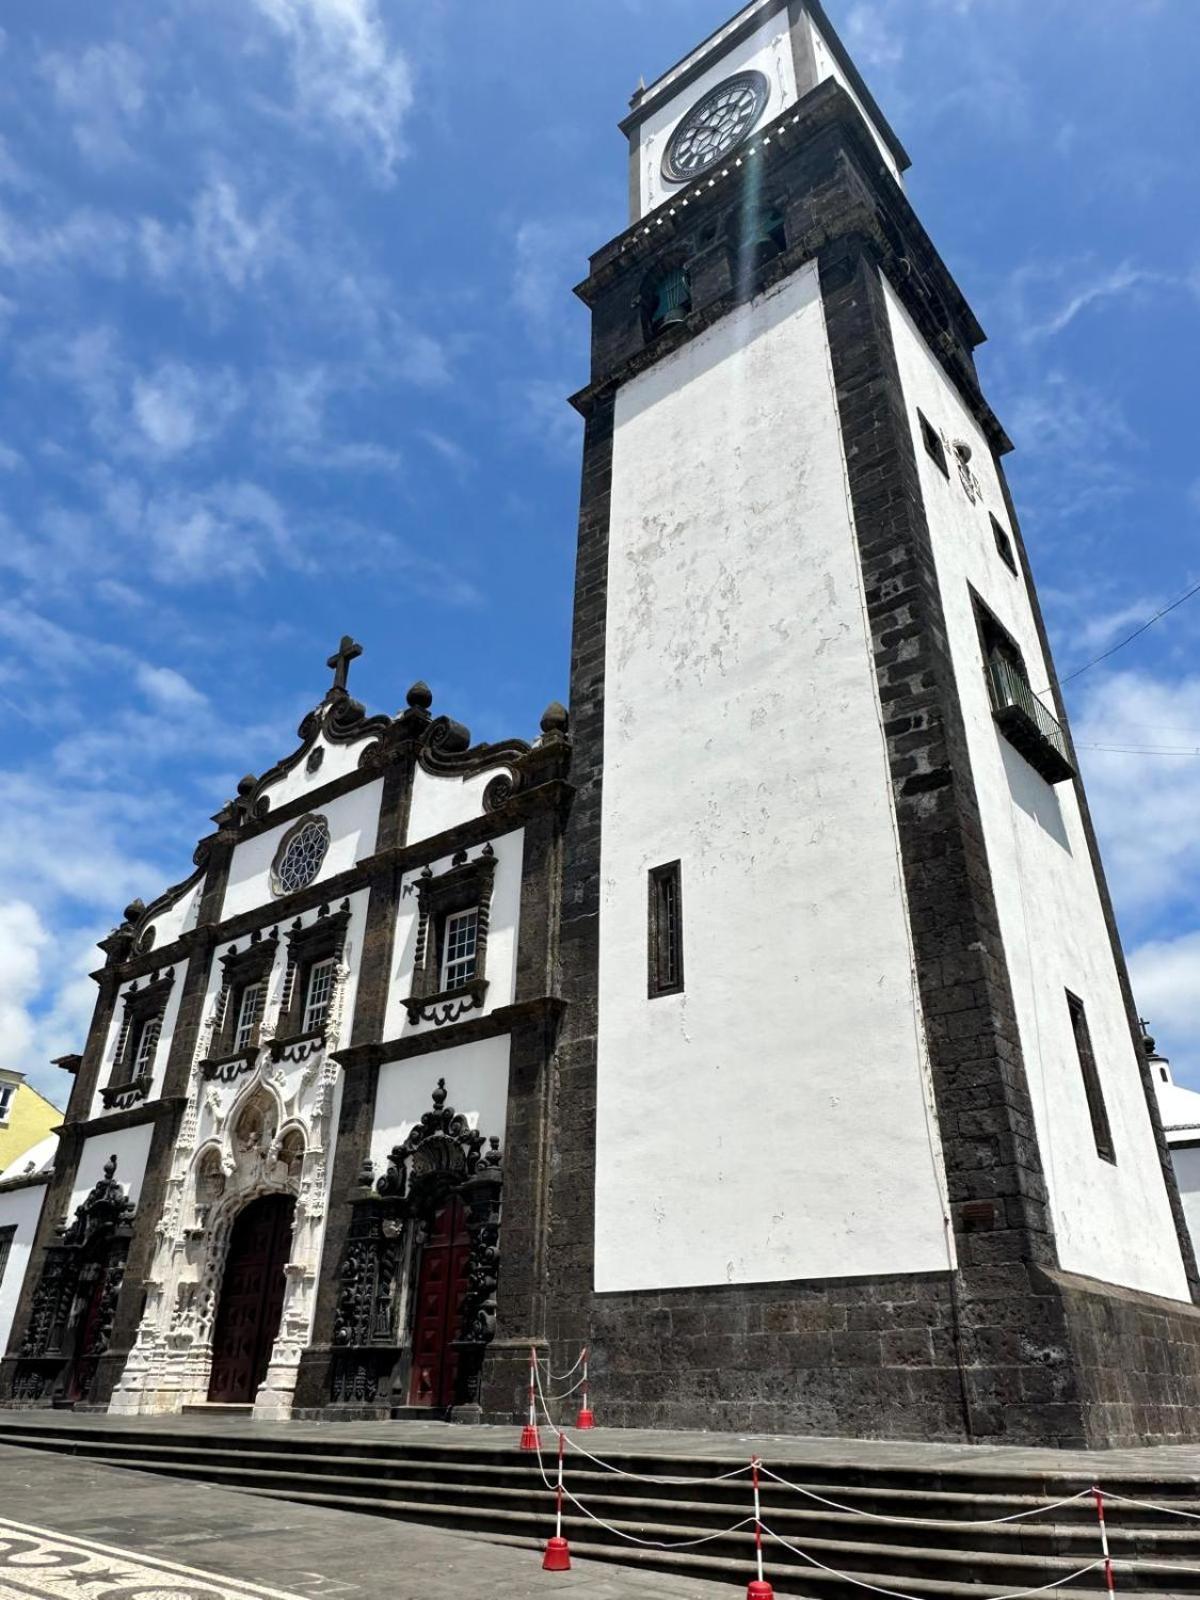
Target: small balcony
x: 1025, y: 722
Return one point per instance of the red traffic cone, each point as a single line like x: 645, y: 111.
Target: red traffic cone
x: 557, y: 1557
x: 530, y: 1439
x: 757, y: 1589
x: 585, y: 1419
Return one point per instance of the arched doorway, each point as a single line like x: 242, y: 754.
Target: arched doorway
x: 442, y: 1281
x: 251, y: 1298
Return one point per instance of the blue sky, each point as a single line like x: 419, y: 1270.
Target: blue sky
x: 287, y: 324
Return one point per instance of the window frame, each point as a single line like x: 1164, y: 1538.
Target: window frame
x: 466, y: 886
x: 8, y: 1237
x: 146, y: 1041
x: 246, y: 1034
x: 320, y: 966
x: 452, y: 919
x: 664, y: 930
x: 934, y: 447
x: 323, y: 939
x: 131, y: 1076
x: 1004, y: 545
x: 1093, y: 1089
x: 8, y: 1097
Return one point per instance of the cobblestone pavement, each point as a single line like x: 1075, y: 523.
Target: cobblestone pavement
x: 73, y: 1529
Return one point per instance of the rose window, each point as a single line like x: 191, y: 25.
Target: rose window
x: 301, y: 855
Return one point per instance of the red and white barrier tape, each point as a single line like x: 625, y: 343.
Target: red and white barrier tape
x: 883, y: 1516
x: 900, y: 1594
x: 561, y: 1377
x: 641, y: 1477
x: 650, y: 1544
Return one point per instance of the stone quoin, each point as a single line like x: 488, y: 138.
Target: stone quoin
x: 762, y: 1023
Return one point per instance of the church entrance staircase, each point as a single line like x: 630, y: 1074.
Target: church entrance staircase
x: 916, y: 1526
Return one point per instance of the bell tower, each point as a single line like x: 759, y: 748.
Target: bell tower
x: 851, y: 1130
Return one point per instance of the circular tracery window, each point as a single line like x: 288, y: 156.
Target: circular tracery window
x: 300, y: 855
x: 715, y: 125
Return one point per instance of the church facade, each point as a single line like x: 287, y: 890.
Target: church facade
x: 762, y: 1022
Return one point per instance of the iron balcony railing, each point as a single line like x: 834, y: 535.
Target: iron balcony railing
x: 1025, y: 721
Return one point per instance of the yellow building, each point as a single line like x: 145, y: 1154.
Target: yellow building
x: 25, y: 1116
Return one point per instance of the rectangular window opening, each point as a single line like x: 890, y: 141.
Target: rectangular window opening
x: 460, y: 946
x: 7, y: 1235
x: 147, y: 1046
x: 933, y: 443
x: 8, y: 1093
x: 250, y: 1010
x: 666, y: 930
x: 1005, y: 546
x: 1097, y: 1110
x: 319, y: 994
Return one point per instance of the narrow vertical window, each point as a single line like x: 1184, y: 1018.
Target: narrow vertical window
x: 1004, y: 546
x: 666, y: 930
x: 320, y: 992
x: 250, y: 1011
x: 934, y: 447
x: 7, y: 1235
x: 1101, y: 1131
x: 460, y: 943
x: 8, y: 1093
x: 143, y: 1061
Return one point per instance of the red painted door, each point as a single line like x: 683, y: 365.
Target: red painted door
x: 441, y: 1285
x: 251, y: 1299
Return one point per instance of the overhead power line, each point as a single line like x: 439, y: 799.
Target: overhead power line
x: 1136, y: 634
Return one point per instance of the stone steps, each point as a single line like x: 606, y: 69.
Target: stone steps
x: 484, y: 1489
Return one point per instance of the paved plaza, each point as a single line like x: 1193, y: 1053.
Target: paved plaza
x: 69, y: 1528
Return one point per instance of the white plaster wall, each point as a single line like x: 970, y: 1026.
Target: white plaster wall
x: 476, y: 1082
x: 1112, y: 1222
x: 20, y: 1208
x: 827, y: 67
x: 768, y: 50
x: 178, y: 918
x: 353, y: 821
x: 336, y: 761
x: 439, y: 803
x: 503, y: 932
x: 163, y: 1050
x: 770, y: 1122
x: 131, y: 1146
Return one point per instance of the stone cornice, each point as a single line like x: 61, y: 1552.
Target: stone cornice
x: 109, y: 1122
x: 546, y: 1010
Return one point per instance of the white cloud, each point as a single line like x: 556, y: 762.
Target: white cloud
x: 222, y: 242
x: 23, y: 938
x: 538, y: 410
x: 1145, y: 805
x: 102, y: 91
x: 549, y: 257
x: 1166, y: 982
x: 1122, y: 280
x: 168, y: 689
x: 84, y: 235
x: 345, y: 74
x: 177, y: 407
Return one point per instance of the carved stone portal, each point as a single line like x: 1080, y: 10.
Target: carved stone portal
x: 443, y: 1158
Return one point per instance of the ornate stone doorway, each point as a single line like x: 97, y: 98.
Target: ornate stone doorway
x: 251, y: 1301
x: 442, y: 1283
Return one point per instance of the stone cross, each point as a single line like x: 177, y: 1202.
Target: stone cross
x: 340, y: 660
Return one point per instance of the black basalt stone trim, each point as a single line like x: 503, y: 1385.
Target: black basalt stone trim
x: 542, y: 1009
x: 133, y: 1117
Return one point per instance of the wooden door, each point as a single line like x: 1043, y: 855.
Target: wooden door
x: 441, y: 1285
x: 251, y: 1299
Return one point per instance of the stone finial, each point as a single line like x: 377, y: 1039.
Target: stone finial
x: 420, y: 696
x: 134, y: 911
x: 246, y: 784
x: 555, y: 718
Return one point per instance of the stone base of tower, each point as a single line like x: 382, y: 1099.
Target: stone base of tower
x: 996, y: 1355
